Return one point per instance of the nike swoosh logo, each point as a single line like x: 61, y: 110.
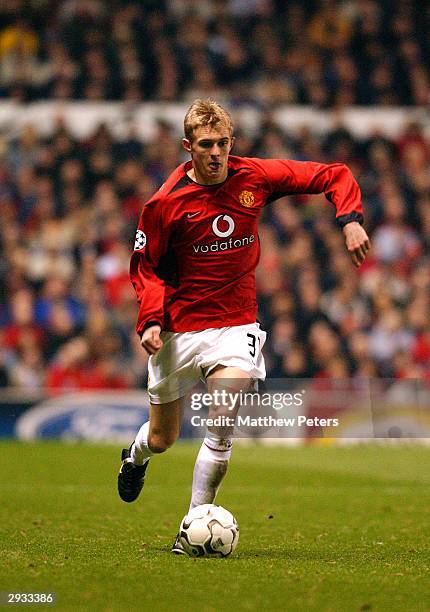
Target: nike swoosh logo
x: 190, y: 215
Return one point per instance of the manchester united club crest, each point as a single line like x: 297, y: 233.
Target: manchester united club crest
x: 246, y: 198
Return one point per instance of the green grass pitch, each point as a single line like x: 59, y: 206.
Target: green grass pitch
x: 320, y: 529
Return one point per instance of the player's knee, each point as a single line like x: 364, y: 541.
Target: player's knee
x: 159, y: 443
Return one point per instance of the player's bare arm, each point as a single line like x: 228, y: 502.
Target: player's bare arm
x: 151, y: 340
x: 357, y: 242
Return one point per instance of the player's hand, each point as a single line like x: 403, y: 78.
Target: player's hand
x: 357, y: 242
x: 151, y: 340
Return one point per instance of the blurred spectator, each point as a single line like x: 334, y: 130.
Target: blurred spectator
x: 330, y: 27
x: 18, y: 57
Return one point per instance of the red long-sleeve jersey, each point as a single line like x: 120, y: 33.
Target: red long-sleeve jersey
x: 197, y: 246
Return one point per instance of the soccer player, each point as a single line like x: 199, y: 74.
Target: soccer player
x: 193, y: 269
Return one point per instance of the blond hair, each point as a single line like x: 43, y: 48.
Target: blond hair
x: 206, y: 112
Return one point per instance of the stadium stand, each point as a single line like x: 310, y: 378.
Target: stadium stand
x: 69, y: 206
x: 322, y: 53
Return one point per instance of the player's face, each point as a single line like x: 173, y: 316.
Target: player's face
x: 209, y: 151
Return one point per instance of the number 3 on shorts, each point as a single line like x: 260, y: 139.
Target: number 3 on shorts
x: 252, y: 344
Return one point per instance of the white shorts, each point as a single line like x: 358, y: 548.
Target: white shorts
x: 188, y: 357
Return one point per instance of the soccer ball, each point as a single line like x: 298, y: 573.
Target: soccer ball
x: 209, y: 531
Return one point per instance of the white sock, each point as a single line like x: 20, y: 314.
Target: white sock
x: 140, y: 452
x: 209, y: 469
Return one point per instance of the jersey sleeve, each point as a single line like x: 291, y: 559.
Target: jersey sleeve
x: 150, y: 245
x: 287, y: 177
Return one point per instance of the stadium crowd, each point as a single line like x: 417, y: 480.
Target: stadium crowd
x: 68, y: 213
x: 319, y: 52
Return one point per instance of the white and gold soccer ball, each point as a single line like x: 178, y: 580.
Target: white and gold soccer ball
x: 209, y: 531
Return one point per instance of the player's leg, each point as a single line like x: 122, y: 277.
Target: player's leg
x: 234, y: 360
x: 160, y: 432
x: 215, y: 451
x: 170, y: 376
x: 155, y: 436
x: 214, y: 454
